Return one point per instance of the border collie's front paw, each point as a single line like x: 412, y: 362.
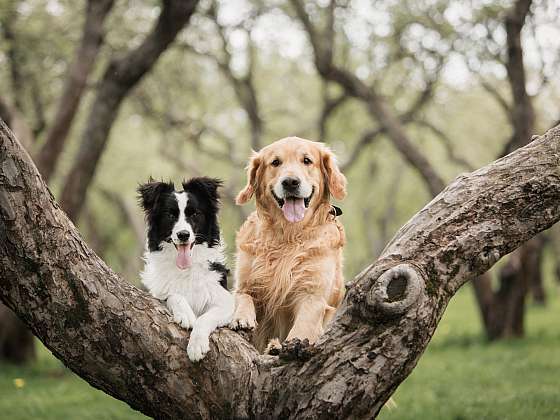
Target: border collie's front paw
x: 197, y: 348
x: 243, y: 323
x: 184, y: 319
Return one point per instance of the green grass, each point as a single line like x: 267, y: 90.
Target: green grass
x: 50, y: 391
x: 459, y: 377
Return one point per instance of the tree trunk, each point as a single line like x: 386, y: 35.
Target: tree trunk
x: 503, y: 311
x: 17, y: 344
x: 523, y: 114
x: 123, y: 341
x: 121, y: 75
x: 536, y: 277
x: 76, y: 80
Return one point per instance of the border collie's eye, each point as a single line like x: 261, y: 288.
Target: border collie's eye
x: 192, y: 212
x: 307, y: 161
x: 276, y: 162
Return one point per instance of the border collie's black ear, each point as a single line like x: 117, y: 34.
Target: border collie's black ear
x: 207, y: 187
x: 149, y: 192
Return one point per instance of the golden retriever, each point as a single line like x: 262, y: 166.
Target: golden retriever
x: 289, y: 251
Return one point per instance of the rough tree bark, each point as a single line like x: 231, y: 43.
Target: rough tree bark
x: 121, y: 75
x: 74, y: 87
x: 122, y: 341
x: 17, y: 344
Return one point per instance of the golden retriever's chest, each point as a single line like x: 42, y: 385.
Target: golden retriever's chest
x: 272, y: 260
x: 279, y: 272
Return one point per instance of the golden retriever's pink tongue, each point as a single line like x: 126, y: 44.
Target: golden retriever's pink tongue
x: 184, y: 256
x: 294, y: 209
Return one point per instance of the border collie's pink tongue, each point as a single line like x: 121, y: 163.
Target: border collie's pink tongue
x: 184, y: 256
x: 294, y: 209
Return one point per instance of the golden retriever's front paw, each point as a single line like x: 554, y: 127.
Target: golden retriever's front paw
x: 294, y: 349
x: 243, y: 323
x: 274, y: 347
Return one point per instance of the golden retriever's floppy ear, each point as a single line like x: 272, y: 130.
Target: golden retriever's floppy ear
x: 246, y: 193
x: 334, y: 179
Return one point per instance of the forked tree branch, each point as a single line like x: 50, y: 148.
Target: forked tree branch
x: 122, y: 341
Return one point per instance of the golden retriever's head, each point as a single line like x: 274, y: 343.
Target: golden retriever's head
x: 291, y: 176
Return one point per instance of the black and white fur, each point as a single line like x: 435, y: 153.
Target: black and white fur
x: 194, y: 285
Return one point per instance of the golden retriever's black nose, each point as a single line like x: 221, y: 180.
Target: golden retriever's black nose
x: 183, y: 235
x: 291, y: 184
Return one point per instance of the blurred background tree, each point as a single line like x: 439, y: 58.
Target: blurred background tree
x: 105, y: 93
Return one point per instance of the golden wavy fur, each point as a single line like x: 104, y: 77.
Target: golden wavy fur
x: 289, y: 275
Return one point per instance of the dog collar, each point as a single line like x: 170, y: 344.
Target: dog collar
x: 335, y: 211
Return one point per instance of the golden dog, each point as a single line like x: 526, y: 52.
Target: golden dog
x: 289, y: 251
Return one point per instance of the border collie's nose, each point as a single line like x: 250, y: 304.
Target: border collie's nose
x: 291, y: 184
x: 183, y: 235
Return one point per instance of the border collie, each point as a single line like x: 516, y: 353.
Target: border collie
x: 185, y: 262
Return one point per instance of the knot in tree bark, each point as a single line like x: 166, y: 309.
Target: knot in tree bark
x: 396, y: 290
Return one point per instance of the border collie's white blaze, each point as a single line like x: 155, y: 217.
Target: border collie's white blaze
x: 185, y: 262
x: 182, y: 234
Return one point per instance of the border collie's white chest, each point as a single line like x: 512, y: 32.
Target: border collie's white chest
x: 163, y: 278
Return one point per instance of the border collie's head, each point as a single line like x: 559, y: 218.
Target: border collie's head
x: 184, y: 218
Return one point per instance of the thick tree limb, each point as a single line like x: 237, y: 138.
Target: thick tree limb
x: 123, y: 342
x: 17, y: 344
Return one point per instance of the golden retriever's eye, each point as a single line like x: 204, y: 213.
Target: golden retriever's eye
x: 276, y: 162
x: 307, y: 161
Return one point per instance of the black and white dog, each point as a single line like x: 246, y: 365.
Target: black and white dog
x: 185, y: 261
